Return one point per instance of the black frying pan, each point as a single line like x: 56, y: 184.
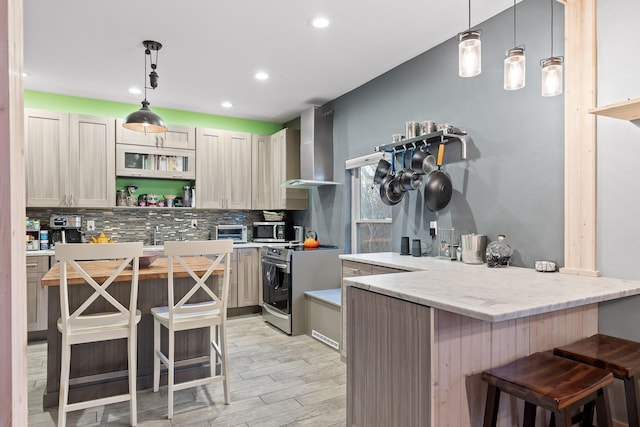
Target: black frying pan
x: 438, y: 188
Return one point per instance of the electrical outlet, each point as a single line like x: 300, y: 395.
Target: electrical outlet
x: 433, y: 228
x: 194, y: 223
x: 91, y: 225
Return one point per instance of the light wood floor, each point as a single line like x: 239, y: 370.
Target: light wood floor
x: 276, y: 380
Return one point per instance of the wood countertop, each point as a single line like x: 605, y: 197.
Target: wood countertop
x: 101, y: 270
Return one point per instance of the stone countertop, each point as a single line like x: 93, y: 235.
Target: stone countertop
x: 491, y: 294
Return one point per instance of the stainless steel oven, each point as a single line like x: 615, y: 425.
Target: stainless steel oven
x: 289, y: 272
x: 276, y: 288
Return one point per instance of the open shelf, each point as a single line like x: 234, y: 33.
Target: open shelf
x: 625, y: 110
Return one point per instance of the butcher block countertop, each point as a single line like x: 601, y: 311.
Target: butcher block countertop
x: 491, y: 294
x: 101, y: 270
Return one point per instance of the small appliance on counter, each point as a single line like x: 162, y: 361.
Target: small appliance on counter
x: 65, y: 229
x: 235, y: 232
x: 273, y: 232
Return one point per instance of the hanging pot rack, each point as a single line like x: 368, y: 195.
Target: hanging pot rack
x: 441, y: 137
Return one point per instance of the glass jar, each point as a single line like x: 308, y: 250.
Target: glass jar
x: 499, y: 253
x: 121, y: 198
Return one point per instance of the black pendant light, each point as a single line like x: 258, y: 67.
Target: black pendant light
x: 145, y: 120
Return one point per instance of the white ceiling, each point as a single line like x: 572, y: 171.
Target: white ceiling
x: 211, y: 49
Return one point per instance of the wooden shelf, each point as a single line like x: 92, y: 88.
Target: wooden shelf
x: 626, y: 110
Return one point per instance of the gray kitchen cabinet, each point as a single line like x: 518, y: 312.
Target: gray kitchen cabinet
x: 223, y: 169
x: 248, y: 277
x: 176, y: 137
x: 262, y: 188
x: 356, y: 269
x: 37, y: 266
x: 284, y: 165
x: 275, y: 159
x: 70, y: 159
x: 232, y: 300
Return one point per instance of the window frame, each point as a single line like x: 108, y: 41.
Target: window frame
x: 353, y: 166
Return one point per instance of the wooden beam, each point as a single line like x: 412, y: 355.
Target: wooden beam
x: 580, y: 139
x: 13, y: 298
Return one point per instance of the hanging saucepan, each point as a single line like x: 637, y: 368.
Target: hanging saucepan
x: 381, y: 171
x: 422, y: 161
x: 438, y: 189
x: 410, y: 179
x: 388, y: 193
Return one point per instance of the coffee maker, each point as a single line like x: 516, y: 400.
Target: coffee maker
x: 65, y: 229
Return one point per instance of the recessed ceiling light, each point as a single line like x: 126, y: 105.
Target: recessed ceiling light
x: 25, y: 74
x: 227, y: 104
x: 320, y: 22
x: 135, y: 91
x: 261, y: 75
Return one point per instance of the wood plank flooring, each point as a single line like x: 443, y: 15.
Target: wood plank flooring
x: 276, y: 380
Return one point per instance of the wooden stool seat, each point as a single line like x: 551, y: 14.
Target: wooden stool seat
x: 619, y: 356
x: 556, y: 384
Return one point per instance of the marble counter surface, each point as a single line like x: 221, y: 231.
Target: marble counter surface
x: 491, y: 294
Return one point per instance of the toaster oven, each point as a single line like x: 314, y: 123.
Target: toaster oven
x: 235, y: 232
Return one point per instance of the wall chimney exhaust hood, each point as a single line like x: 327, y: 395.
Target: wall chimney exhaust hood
x: 316, y: 149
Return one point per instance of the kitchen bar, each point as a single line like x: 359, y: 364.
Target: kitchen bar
x: 100, y: 369
x: 438, y: 328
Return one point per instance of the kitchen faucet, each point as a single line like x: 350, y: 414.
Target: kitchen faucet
x: 156, y: 229
x: 181, y: 234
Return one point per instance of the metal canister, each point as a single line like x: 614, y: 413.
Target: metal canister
x: 427, y: 127
x: 412, y: 129
x: 121, y: 198
x: 473, y: 248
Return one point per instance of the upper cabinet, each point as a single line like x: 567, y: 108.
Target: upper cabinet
x: 178, y: 137
x: 223, y: 169
x: 285, y: 165
x: 276, y: 158
x: 69, y: 159
x: 169, y: 155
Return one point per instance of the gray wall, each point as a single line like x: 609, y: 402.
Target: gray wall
x: 618, y: 171
x: 512, y: 181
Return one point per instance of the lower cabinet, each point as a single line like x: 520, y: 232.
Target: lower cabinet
x: 248, y: 277
x: 37, y: 266
x: 355, y: 269
x: 244, y: 280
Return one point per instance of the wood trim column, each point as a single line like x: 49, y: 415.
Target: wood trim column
x: 13, y: 298
x: 580, y: 138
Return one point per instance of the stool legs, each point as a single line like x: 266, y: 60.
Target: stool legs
x: 491, y: 406
x: 631, y: 397
x: 602, y: 409
x: 529, y: 415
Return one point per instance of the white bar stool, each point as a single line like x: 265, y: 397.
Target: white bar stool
x: 182, y: 315
x: 79, y: 327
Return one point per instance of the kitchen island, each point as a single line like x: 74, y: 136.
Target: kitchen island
x: 100, y: 369
x: 417, y: 341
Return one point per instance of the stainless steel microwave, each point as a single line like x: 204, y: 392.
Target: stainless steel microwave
x: 272, y: 232
x: 235, y: 232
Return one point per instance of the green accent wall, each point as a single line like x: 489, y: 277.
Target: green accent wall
x: 97, y: 107
x: 160, y: 187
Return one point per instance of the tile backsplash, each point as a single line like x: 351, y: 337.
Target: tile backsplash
x: 137, y: 224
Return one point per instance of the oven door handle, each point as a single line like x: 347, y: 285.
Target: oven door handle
x: 274, y: 313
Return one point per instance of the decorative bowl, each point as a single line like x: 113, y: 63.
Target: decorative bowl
x: 148, y: 258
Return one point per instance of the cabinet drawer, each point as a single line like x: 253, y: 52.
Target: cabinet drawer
x: 354, y: 269
x: 376, y: 269
x: 37, y: 264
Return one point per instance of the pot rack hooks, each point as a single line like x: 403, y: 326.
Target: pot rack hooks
x: 442, y: 136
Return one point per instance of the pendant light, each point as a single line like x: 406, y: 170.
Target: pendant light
x: 514, y: 62
x: 552, y: 69
x: 469, y: 51
x: 145, y: 120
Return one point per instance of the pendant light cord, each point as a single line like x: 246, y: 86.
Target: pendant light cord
x: 514, y: 23
x: 469, y: 14
x: 145, y: 75
x: 551, y: 3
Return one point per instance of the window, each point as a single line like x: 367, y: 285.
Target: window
x: 371, y: 219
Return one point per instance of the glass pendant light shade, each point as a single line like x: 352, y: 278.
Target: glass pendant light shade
x: 145, y: 120
x: 514, y: 69
x: 552, y: 76
x: 469, y: 54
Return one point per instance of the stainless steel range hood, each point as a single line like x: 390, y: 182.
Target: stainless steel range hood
x: 316, y: 149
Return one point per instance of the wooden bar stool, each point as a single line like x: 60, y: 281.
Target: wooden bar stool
x: 554, y: 383
x: 619, y: 356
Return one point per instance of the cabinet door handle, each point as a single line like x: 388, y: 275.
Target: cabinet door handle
x: 136, y: 174
x: 355, y: 270
x: 35, y: 264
